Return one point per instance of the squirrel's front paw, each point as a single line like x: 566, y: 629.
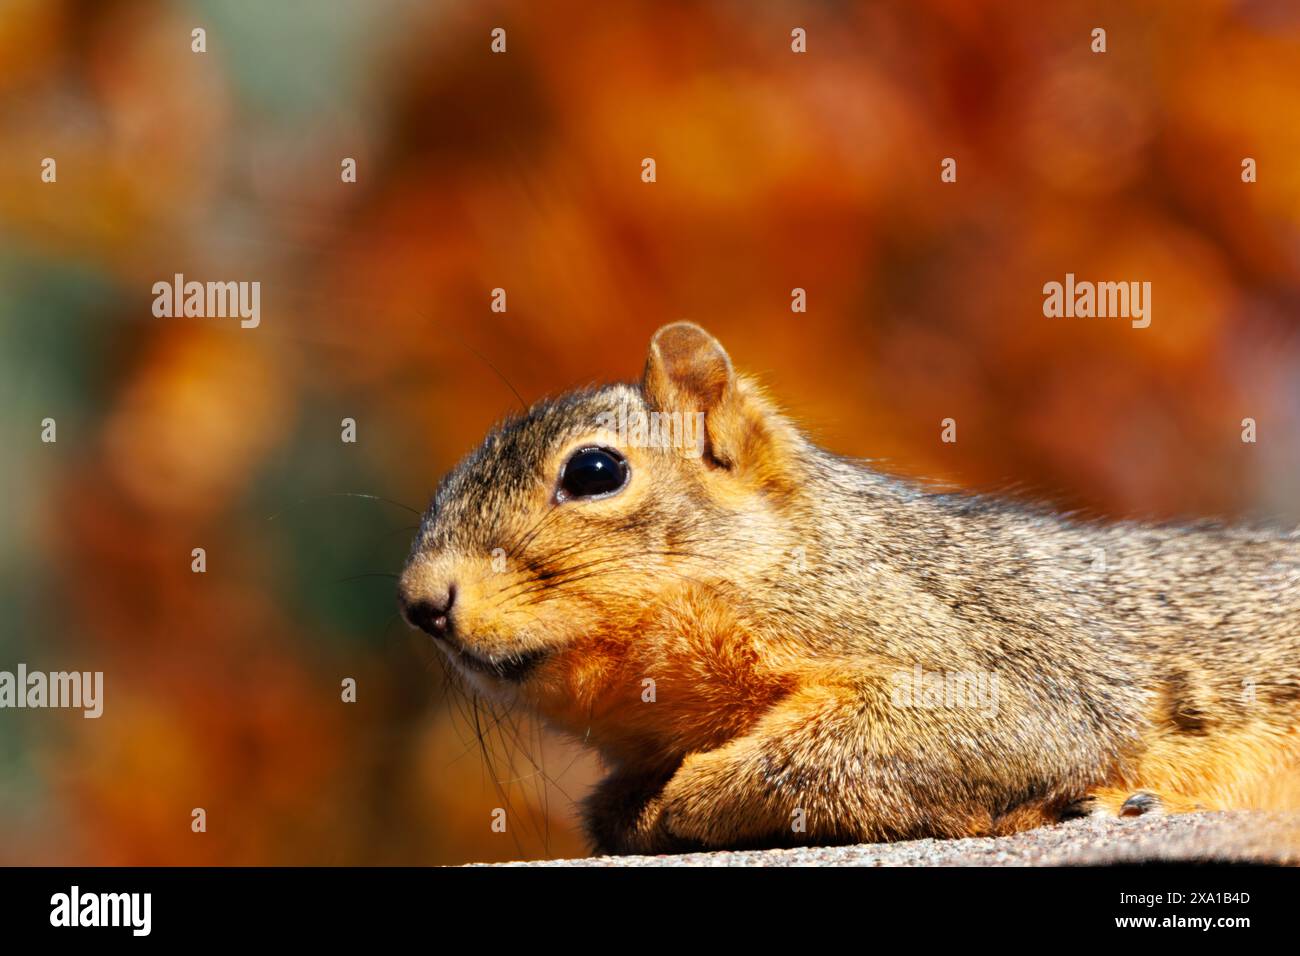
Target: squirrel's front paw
x: 643, y: 823
x: 681, y: 814
x: 625, y: 814
x: 711, y: 802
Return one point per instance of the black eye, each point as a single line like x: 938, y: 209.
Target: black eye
x: 593, y: 471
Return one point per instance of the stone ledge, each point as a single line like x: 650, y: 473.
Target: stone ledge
x: 1180, y: 838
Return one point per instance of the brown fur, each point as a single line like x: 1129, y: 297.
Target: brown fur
x: 776, y: 594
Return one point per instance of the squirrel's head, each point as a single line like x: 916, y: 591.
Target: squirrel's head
x: 547, y: 549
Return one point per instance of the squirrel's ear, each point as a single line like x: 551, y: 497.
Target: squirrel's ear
x: 689, y: 371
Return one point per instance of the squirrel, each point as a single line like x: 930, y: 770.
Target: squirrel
x: 769, y: 644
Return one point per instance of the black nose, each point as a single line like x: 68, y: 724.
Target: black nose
x: 431, y: 616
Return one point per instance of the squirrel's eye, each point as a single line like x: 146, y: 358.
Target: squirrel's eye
x: 593, y: 471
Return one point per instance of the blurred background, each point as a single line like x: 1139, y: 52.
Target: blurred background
x: 523, y: 171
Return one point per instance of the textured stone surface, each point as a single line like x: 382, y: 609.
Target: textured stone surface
x: 1192, y: 837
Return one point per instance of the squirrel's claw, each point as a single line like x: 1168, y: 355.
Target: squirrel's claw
x: 1140, y: 804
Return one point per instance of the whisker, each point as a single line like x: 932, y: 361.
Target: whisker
x: 368, y: 574
x: 523, y: 587
x: 490, y: 768
x: 344, y: 494
x: 517, y: 548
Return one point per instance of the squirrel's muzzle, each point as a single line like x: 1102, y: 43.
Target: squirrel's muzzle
x: 433, y: 615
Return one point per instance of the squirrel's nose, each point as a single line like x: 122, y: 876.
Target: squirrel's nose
x: 431, y: 615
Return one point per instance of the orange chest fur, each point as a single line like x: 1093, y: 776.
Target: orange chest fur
x: 688, y: 680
